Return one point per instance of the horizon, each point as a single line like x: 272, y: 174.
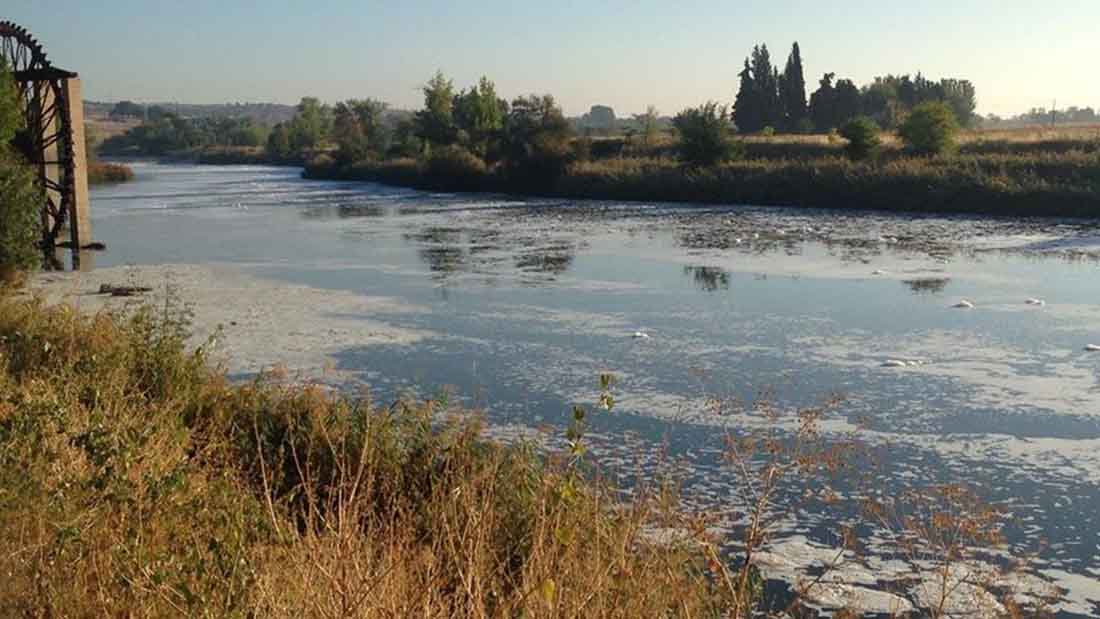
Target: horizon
x: 629, y: 59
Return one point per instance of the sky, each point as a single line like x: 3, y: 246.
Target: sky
x: 1019, y: 54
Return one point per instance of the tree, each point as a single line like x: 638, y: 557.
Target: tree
x: 792, y: 91
x: 823, y: 104
x: 930, y: 129
x: 479, y: 116
x: 537, y: 147
x: 599, y: 117
x: 435, y: 124
x: 311, y: 125
x: 647, y: 122
x: 127, y: 109
x: 704, y: 135
x: 848, y: 104
x: 863, y: 139
x: 758, y: 104
x: 961, y: 96
x: 278, y: 143
x: 747, y: 114
x: 19, y: 194
x: 357, y: 129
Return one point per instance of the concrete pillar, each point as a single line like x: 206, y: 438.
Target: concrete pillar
x: 80, y: 220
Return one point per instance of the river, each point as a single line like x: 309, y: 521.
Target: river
x: 526, y: 302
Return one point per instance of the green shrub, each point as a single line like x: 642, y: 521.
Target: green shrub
x: 457, y: 167
x: 19, y: 214
x: 704, y: 135
x: 863, y: 139
x: 931, y: 129
x: 19, y: 196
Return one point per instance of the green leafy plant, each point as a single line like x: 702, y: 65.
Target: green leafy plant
x: 863, y: 138
x: 931, y: 129
x: 705, y: 135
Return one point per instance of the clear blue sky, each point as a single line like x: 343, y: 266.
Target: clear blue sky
x: 1018, y: 53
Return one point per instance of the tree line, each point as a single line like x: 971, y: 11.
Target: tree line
x: 528, y: 135
x: 770, y: 100
x: 165, y: 132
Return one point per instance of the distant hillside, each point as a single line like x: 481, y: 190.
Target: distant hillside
x: 261, y: 113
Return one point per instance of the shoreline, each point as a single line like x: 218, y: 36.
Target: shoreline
x: 257, y: 324
x: 979, y: 186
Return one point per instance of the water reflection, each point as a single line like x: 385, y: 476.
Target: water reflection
x: 927, y: 285
x: 449, y: 250
x: 708, y: 279
x: 554, y: 259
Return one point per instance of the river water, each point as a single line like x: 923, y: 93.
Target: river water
x: 528, y: 301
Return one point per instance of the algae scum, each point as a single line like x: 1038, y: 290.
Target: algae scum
x: 518, y: 305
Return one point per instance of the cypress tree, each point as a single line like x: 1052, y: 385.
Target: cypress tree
x: 823, y: 104
x: 746, y: 108
x: 766, y: 81
x: 792, y: 91
x: 758, y: 103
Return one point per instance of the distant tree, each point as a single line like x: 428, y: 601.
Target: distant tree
x: 848, y: 103
x: 479, y: 116
x: 747, y: 113
x: 647, y: 124
x: 310, y: 126
x: 537, y: 144
x: 156, y: 112
x: 130, y: 109
x: 863, y: 137
x: 823, y: 104
x: 403, y: 141
x: 357, y: 129
x: 704, y: 135
x: 930, y: 129
x: 792, y: 91
x: 758, y: 103
x: 600, y: 117
x: 278, y: 143
x: 961, y: 96
x: 435, y: 124
x: 880, y: 102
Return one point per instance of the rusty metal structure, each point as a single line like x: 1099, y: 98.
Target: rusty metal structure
x: 53, y: 142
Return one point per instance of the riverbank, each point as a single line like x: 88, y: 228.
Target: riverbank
x: 1036, y: 184
x: 136, y: 480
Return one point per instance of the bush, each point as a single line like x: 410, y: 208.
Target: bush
x: 20, y: 231
x: 607, y: 148
x: 100, y: 173
x: 931, y: 129
x: 862, y: 135
x: 19, y: 197
x: 456, y: 167
x: 704, y: 135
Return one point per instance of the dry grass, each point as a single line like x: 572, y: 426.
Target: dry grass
x: 101, y: 173
x: 135, y: 481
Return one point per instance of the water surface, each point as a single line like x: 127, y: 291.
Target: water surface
x: 528, y: 301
